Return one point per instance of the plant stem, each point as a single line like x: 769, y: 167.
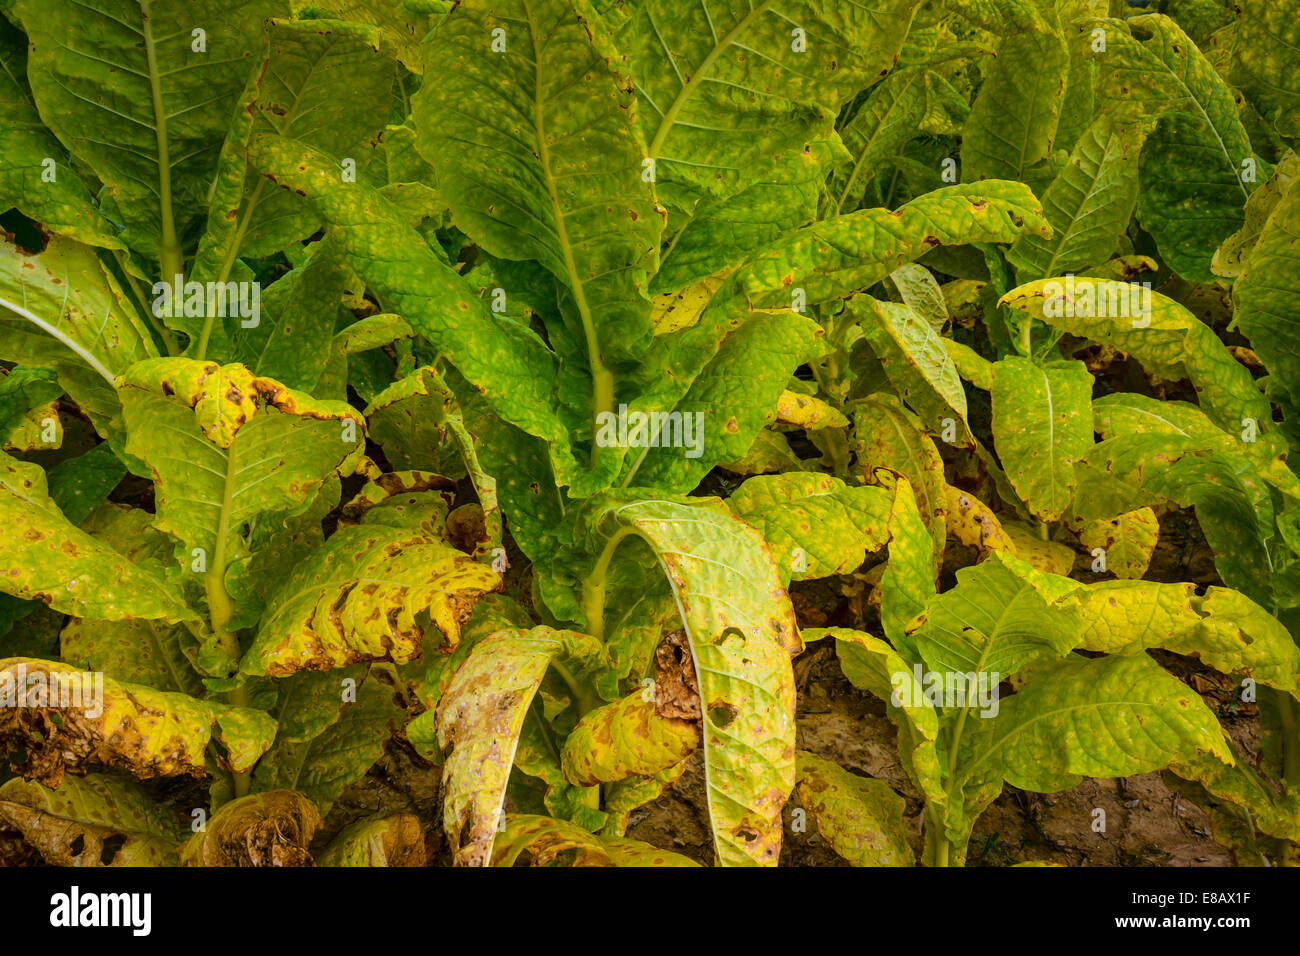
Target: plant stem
x: 170, y: 255
x: 164, y: 333
x: 938, y: 849
x: 583, y: 699
x: 593, y: 588
x: 1290, y: 736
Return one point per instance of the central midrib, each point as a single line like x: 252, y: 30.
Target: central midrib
x: 688, y: 88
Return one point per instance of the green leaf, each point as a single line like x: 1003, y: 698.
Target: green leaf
x: 861, y: 818
x: 1231, y: 257
x: 97, y: 820
x: 324, y: 82
x: 1232, y: 503
x: 1088, y: 204
x: 816, y: 525
x: 322, y: 764
x: 402, y: 24
x: 730, y: 401
x: 1013, y: 120
x: 742, y: 631
x: 63, y: 204
x: 78, y: 485
x: 1263, y: 62
x: 908, y: 102
x: 480, y: 717
x: 410, y: 421
x: 721, y: 233
x: 395, y: 839
x: 874, y: 666
x: 1192, y: 193
x: 918, y: 365
x: 1157, y: 331
x: 1127, y: 413
x: 852, y: 252
x: 1262, y: 296
x: 291, y: 342
x: 142, y: 652
x: 509, y: 364
x: 62, y: 310
x: 122, y: 84
x: 49, y: 559
x: 890, y: 437
x: 921, y: 293
x: 560, y: 182
x: 224, y: 449
x: 1001, y: 617
x: 693, y: 69
x: 1223, y: 628
x: 1109, y: 717
x: 1042, y: 425
x: 357, y: 598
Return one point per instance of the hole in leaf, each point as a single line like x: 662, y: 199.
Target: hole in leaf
x: 722, y: 713
x: 111, y: 846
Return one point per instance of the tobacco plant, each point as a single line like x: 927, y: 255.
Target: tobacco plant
x: 477, y: 382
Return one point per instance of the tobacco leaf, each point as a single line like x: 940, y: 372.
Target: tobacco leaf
x: 693, y: 65
x: 66, y: 312
x: 262, y: 829
x: 860, y: 818
x: 332, y: 729
x: 146, y: 732
x: 49, y: 559
x: 974, y: 524
x: 816, y: 525
x: 852, y: 252
x: 509, y: 363
x: 1109, y: 717
x: 1014, y: 117
x: 325, y: 82
x: 1042, y: 424
x: 480, y: 716
x: 1128, y: 541
x: 872, y: 665
x: 625, y: 739
x: 1002, y: 616
x: 918, y: 365
x: 124, y: 89
x: 742, y: 632
x: 1170, y: 342
x: 561, y: 184
x: 1222, y: 627
x: 529, y: 840
x: 1192, y: 191
x: 92, y: 821
x: 359, y: 598
x: 394, y: 839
